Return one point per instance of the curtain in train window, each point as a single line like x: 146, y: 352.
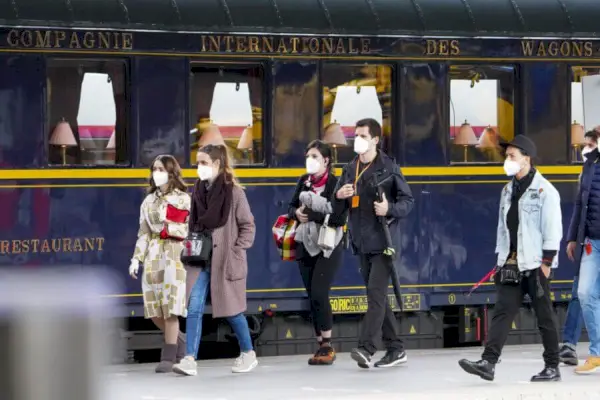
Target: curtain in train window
x: 87, y: 112
x: 351, y: 93
x: 481, y: 112
x: 585, y: 102
x: 226, y: 107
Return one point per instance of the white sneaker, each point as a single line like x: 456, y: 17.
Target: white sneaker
x: 246, y: 362
x: 187, y: 366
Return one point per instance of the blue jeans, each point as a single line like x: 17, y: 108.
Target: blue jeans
x: 589, y: 294
x: 196, y: 304
x: 574, y: 319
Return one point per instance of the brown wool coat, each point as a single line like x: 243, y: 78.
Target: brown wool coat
x: 229, y: 264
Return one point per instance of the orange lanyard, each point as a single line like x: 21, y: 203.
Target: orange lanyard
x: 357, y: 177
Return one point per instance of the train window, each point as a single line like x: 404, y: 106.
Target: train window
x: 350, y: 93
x: 226, y: 107
x: 585, y: 101
x: 87, y: 111
x: 481, y: 112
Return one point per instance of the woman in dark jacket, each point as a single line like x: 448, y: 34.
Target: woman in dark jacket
x: 317, y: 266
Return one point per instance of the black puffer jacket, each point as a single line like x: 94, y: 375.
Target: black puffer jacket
x: 366, y: 231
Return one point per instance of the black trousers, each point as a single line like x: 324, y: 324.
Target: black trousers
x: 379, y: 319
x: 509, y: 300
x: 317, y: 274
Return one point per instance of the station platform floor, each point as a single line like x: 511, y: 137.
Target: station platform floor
x: 428, y: 374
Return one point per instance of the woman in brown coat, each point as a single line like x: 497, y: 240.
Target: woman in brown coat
x: 221, y: 210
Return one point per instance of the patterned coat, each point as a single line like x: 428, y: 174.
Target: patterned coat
x: 163, y: 279
x: 229, y: 265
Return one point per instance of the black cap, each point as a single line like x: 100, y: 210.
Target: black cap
x: 522, y: 143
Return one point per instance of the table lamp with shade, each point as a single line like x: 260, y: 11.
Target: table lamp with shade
x: 488, y: 139
x: 246, y: 143
x: 334, y: 135
x: 111, y: 142
x: 465, y: 137
x: 577, y: 138
x: 211, y: 135
x: 63, y: 136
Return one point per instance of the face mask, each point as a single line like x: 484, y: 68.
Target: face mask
x: 360, y: 145
x: 585, y: 152
x: 160, y: 178
x: 312, y: 165
x: 205, y: 172
x: 511, y: 167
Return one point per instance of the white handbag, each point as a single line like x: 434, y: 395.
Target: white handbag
x: 326, y: 235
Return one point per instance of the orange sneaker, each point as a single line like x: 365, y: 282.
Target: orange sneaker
x: 324, y: 356
x: 590, y: 366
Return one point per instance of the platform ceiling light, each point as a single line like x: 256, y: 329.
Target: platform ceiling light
x: 465, y: 137
x: 63, y: 136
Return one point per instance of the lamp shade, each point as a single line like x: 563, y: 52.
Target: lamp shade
x: 466, y: 135
x: 111, y: 142
x: 577, y: 134
x: 245, y: 142
x: 63, y: 135
x: 211, y: 135
x: 334, y: 135
x: 488, y: 139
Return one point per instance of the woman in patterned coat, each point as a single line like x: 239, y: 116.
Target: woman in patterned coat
x: 164, y: 217
x: 219, y: 207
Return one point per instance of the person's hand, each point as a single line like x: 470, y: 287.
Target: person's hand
x: 546, y: 270
x: 300, y: 216
x: 345, y: 191
x: 134, y: 268
x: 381, y: 208
x: 571, y: 250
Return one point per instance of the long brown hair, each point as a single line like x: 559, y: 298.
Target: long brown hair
x: 220, y: 152
x: 173, y: 169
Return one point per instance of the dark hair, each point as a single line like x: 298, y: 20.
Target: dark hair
x: 323, y: 148
x: 173, y: 169
x: 373, y: 125
x: 220, y: 152
x: 592, y: 135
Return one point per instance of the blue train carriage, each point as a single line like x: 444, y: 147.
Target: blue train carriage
x: 92, y: 91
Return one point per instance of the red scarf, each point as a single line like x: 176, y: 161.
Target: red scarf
x: 313, y: 182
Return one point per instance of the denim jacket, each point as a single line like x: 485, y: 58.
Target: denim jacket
x: 540, y: 224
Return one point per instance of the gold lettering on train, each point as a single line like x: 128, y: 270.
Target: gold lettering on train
x: 557, y: 48
x: 283, y: 45
x: 47, y: 39
x: 56, y: 245
x: 442, y: 47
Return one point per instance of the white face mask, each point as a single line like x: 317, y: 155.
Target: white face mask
x: 205, y: 172
x: 511, y: 167
x: 160, y: 177
x: 360, y: 145
x: 312, y: 165
x: 586, y: 150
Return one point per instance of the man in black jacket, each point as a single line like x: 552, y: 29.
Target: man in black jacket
x: 357, y: 192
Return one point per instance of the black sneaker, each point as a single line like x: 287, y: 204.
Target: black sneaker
x: 361, y: 356
x: 481, y: 368
x: 548, y: 374
x: 391, y: 359
x: 568, y: 356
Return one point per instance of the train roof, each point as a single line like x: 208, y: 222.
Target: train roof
x: 544, y: 18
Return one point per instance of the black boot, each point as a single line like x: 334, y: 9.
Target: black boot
x: 180, y: 348
x: 568, y: 356
x: 483, y: 369
x: 167, y: 358
x: 548, y: 374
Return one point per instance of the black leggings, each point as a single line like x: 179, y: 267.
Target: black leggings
x: 317, y: 274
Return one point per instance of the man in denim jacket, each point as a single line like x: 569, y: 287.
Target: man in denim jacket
x: 528, y: 240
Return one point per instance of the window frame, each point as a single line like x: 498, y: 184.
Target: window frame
x: 395, y: 115
x: 265, y: 100
x: 517, y: 102
x: 570, y: 80
x: 130, y: 111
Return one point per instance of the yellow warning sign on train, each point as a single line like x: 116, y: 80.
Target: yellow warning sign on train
x: 358, y: 304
